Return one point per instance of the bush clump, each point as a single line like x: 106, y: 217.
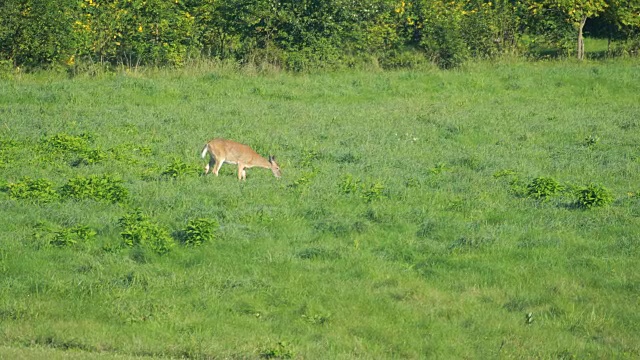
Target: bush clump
x: 179, y: 168
x: 95, y: 187
x: 62, y: 236
x: 40, y: 190
x: 367, y: 191
x: 543, y: 188
x: 138, y: 230
x: 200, y: 231
x: 73, y: 235
x: 593, y: 195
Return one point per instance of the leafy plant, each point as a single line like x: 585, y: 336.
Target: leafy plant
x: 282, y: 350
x: 303, y: 180
x: 309, y: 156
x: 504, y: 172
x: 45, y: 233
x: 73, y: 235
x: 591, y: 140
x: 140, y: 231
x: 76, y: 149
x: 96, y: 187
x: 7, y: 148
x: 372, y: 192
x: 349, y: 184
x: 41, y: 190
x: 64, y: 142
x: 89, y: 157
x: 178, y: 168
x: 593, y: 195
x: 368, y: 191
x: 439, y: 168
x: 543, y: 188
x: 200, y: 231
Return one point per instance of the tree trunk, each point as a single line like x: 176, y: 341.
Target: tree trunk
x: 581, y: 39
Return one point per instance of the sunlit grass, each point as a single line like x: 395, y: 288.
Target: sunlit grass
x: 400, y: 227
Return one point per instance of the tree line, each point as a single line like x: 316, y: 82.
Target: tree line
x: 304, y: 34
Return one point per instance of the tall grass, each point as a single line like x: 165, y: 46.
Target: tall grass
x: 401, y: 227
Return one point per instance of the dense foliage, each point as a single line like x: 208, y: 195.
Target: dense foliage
x: 300, y: 34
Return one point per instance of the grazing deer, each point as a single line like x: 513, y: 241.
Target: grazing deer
x: 221, y: 151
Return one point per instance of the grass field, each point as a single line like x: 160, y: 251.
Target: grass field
x: 421, y: 214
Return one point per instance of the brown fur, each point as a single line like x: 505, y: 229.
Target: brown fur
x: 221, y: 151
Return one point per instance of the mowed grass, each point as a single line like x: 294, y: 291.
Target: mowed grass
x: 401, y: 227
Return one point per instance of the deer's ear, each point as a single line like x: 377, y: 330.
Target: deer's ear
x: 272, y: 158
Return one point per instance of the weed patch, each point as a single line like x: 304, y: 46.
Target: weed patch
x: 368, y: 191
x: 95, y: 187
x: 72, y: 236
x: 592, y: 196
x: 198, y: 231
x: 39, y: 190
x: 138, y: 230
x: 61, y: 236
x: 542, y: 188
x: 179, y: 168
x: 281, y: 350
x: 64, y: 143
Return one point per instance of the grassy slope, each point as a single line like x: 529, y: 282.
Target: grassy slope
x: 446, y: 263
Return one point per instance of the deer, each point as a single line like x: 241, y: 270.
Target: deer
x: 222, y: 150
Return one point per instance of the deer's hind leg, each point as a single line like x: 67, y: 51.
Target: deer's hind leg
x: 210, y: 165
x: 217, y: 165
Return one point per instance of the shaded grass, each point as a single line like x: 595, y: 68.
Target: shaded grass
x: 441, y: 259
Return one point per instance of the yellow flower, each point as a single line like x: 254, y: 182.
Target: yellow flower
x: 140, y: 28
x: 72, y: 60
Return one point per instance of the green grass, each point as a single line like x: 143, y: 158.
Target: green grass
x: 401, y: 227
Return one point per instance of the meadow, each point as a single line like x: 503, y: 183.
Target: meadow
x: 487, y: 212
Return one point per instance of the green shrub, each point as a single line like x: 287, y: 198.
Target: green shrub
x: 593, y: 195
x: 179, y: 168
x: 40, y: 190
x: 439, y: 168
x: 591, y: 141
x: 349, y: 184
x: 543, y: 188
x: 282, y: 350
x: 367, y: 191
x: 373, y: 191
x: 200, y: 231
x: 64, y: 143
x: 89, y: 157
x: 309, y: 157
x: 45, y: 233
x: 443, y: 42
x: 95, y: 187
x: 73, y: 235
x: 303, y: 180
x: 7, y: 150
x: 140, y: 231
